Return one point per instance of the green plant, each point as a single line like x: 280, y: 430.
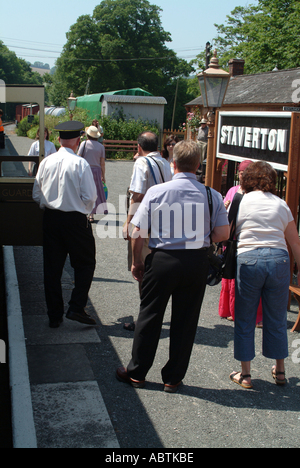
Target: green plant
x: 24, y: 126
x: 120, y: 129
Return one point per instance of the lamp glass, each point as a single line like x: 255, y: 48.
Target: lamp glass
x: 216, y: 89
x: 202, y: 89
x: 72, y: 104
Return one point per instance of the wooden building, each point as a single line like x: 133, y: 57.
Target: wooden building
x: 269, y: 91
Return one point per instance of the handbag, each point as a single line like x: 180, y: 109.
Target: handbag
x: 229, y: 262
x: 223, y: 265
x: 215, y: 261
x: 105, y: 189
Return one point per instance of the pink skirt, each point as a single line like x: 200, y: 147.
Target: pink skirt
x: 101, y: 206
x: 227, y: 301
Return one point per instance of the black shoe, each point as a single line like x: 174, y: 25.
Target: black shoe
x: 171, y: 388
x: 81, y: 317
x: 55, y: 323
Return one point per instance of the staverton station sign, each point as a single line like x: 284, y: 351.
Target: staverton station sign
x: 255, y: 135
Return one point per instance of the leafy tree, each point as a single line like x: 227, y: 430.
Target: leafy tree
x: 14, y: 70
x: 264, y: 36
x: 122, y: 45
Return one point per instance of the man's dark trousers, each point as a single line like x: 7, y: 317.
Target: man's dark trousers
x: 67, y: 233
x: 181, y: 274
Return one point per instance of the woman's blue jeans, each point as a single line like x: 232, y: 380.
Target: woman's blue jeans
x: 264, y: 273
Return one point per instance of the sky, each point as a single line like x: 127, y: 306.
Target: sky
x: 37, y: 32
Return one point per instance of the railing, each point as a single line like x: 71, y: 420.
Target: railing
x: 127, y: 146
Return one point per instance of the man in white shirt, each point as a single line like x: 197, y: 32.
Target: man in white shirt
x: 65, y: 189
x: 149, y: 169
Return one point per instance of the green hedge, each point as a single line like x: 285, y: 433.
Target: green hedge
x: 115, y: 127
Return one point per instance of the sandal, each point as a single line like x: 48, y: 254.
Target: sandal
x: 240, y: 381
x: 275, y: 374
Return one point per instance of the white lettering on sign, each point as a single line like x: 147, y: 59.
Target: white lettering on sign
x: 254, y: 137
x: 2, y: 352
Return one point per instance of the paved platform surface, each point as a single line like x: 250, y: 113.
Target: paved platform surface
x: 76, y: 399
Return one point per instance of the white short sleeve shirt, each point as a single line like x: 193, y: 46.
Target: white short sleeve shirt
x: 142, y: 178
x: 261, y: 222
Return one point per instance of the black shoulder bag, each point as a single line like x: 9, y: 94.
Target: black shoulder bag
x: 223, y: 265
x: 229, y: 265
x: 215, y: 261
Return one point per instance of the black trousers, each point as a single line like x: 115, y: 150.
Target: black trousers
x: 181, y: 274
x: 67, y: 233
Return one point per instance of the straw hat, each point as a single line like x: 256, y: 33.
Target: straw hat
x: 92, y: 131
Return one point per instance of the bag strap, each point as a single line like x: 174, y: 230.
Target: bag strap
x: 233, y: 211
x: 151, y: 170
x: 210, y: 204
x: 83, y: 149
x: 161, y: 174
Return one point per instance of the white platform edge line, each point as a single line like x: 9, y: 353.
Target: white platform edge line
x: 24, y: 434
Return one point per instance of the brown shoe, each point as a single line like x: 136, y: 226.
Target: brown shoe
x: 81, y: 317
x: 171, y: 388
x: 122, y: 376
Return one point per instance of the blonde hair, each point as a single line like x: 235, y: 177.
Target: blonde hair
x: 186, y: 155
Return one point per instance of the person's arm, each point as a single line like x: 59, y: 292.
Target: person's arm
x: 102, y: 165
x: 135, y: 201
x: 292, y: 237
x: 220, y: 233
x: 138, y: 267
x: 88, y: 191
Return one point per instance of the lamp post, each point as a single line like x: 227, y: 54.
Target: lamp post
x: 213, y: 84
x: 71, y: 104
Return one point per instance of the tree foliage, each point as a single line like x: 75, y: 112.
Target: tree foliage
x: 14, y: 70
x: 121, y: 45
x: 265, y: 35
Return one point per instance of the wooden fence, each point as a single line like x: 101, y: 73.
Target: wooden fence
x: 181, y: 135
x: 131, y: 146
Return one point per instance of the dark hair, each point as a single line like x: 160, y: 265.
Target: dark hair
x: 259, y: 176
x: 91, y: 138
x: 38, y: 133
x: 165, y: 153
x: 148, y: 141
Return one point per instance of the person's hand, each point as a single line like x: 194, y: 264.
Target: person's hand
x: 137, y: 271
x: 125, y: 232
x: 227, y: 203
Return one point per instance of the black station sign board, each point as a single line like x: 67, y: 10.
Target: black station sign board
x: 261, y: 136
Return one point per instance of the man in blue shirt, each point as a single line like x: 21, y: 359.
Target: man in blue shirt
x: 177, y: 216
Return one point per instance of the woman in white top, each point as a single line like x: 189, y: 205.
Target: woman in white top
x: 263, y: 270
x: 35, y: 149
x: 94, y: 153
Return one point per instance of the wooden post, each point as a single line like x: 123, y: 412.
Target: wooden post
x: 293, y: 179
x: 217, y: 164
x: 210, y: 150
